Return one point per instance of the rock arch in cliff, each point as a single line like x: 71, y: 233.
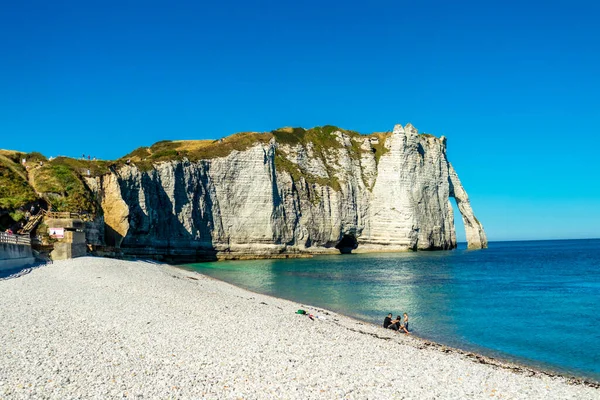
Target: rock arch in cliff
x: 475, y: 235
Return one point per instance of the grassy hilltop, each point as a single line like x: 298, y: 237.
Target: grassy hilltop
x: 195, y: 150
x: 321, y: 138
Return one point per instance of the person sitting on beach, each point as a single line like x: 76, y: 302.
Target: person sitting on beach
x: 404, y: 325
x: 387, y: 321
x: 395, y: 325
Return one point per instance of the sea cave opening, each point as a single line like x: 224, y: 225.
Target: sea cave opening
x: 347, y: 244
x: 112, y: 237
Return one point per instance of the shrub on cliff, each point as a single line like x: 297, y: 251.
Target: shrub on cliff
x: 62, y: 185
x: 15, y: 191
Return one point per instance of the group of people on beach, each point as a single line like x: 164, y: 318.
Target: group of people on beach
x: 398, y: 324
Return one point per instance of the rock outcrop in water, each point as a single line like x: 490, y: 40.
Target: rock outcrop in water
x: 291, y: 191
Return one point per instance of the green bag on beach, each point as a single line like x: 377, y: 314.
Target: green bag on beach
x: 301, y: 312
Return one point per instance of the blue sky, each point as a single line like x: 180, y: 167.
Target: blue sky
x: 513, y: 85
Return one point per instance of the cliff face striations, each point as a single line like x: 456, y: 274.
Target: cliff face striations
x: 290, y: 193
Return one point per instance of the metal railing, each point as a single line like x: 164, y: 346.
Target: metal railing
x: 14, y: 239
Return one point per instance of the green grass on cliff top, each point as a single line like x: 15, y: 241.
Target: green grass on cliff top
x: 60, y: 181
x: 322, y: 139
x: 195, y: 150
x: 15, y: 191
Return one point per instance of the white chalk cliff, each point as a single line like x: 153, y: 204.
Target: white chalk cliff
x: 386, y: 192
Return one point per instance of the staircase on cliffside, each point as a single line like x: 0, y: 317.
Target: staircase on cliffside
x: 32, y: 223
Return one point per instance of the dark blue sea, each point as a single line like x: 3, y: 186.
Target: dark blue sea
x: 535, y: 302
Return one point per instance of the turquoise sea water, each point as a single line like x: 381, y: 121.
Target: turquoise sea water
x: 536, y: 303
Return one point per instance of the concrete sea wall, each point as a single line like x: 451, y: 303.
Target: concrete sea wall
x: 13, y: 256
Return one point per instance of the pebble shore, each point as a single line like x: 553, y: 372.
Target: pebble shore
x: 97, y: 328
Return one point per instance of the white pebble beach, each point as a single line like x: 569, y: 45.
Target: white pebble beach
x: 104, y: 328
